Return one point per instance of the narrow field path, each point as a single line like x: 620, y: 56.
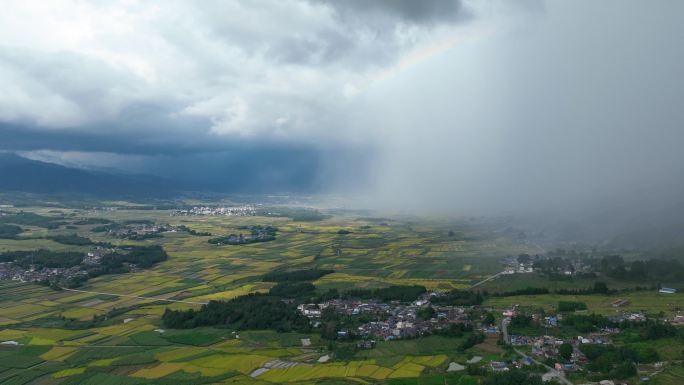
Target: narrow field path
x: 15, y: 374
x: 556, y: 374
x: 486, y: 280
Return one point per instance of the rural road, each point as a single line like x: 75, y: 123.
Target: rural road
x: 486, y: 280
x: 558, y: 375
x: 136, y: 296
x: 498, y: 274
x: 504, y: 330
x: 555, y: 373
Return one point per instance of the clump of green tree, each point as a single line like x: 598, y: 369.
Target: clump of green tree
x: 571, y: 306
x: 654, y: 270
x: 296, y: 275
x: 403, y: 293
x: 459, y: 298
x: 141, y: 237
x: 71, y: 239
x: 514, y: 377
x: 521, y: 321
x: 92, y: 221
x: 655, y: 330
x: 71, y: 282
x: 257, y: 234
x: 425, y: 313
x: 597, y: 288
x: 194, y: 232
x: 260, y: 229
x: 146, y: 222
x: 252, y: 311
x: 616, y: 362
x: 293, y: 289
x: 141, y: 256
x: 525, y: 291
x: 42, y: 258
x: 456, y: 330
x: 112, y: 226
x: 523, y: 324
x: 10, y: 231
x: 565, y: 351
x: 471, y: 340
x: 489, y: 319
x: 31, y: 219
x: 587, y: 322
x: 613, y: 266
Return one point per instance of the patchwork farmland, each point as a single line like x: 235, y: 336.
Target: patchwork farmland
x: 110, y: 329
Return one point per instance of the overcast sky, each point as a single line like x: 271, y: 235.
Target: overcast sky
x: 173, y: 72
x: 471, y: 104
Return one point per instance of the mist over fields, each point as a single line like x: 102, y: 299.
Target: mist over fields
x: 562, y: 108
x: 546, y: 109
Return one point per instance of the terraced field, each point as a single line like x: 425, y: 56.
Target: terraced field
x: 673, y: 375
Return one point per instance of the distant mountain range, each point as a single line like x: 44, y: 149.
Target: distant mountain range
x: 632, y: 224
x: 18, y: 174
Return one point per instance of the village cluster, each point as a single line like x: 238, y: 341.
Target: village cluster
x: 525, y: 264
x: 139, y: 231
x: 34, y: 273
x: 512, y: 265
x: 392, y: 320
x: 547, y: 348
x: 10, y: 271
x: 238, y: 211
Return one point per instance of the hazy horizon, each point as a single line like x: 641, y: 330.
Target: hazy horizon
x: 436, y: 106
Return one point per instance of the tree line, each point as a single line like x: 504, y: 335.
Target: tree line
x: 403, y: 293
x: 253, y: 311
x: 653, y: 270
x: 257, y: 234
x: 31, y: 219
x: 42, y: 258
x: 613, y: 266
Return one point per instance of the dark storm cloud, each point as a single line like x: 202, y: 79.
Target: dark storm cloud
x: 409, y: 11
x: 238, y: 166
x: 144, y: 140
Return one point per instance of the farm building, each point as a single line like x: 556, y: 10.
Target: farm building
x: 667, y: 290
x: 620, y: 302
